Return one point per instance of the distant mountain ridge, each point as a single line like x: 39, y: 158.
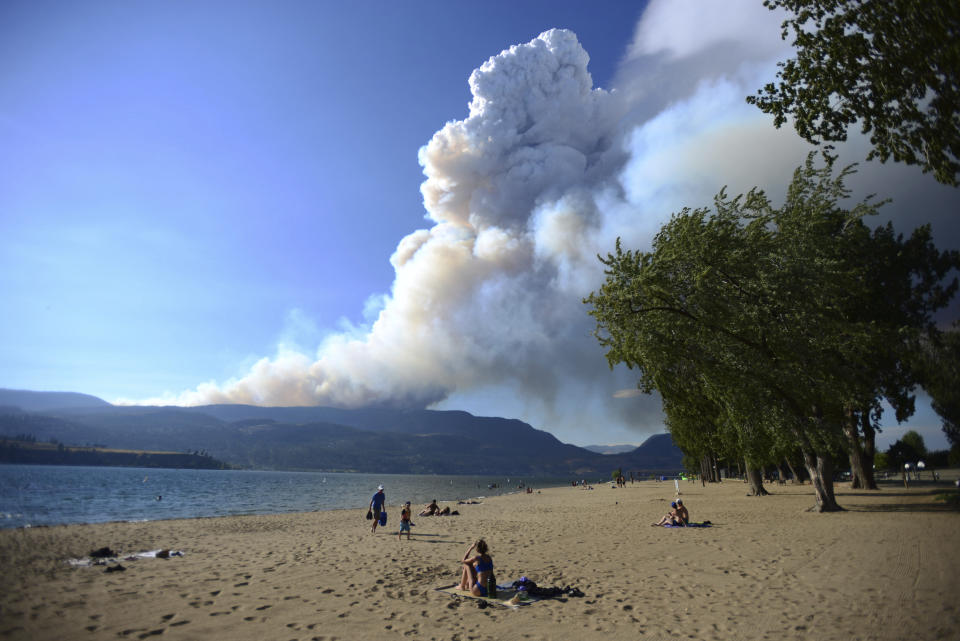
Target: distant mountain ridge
x: 323, y: 438
x: 39, y: 401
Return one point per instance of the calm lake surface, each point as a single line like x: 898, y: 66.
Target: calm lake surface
x: 52, y: 495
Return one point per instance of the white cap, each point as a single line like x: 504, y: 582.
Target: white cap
x: 379, y: 487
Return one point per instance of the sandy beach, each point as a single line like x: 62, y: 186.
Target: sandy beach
x: 887, y: 568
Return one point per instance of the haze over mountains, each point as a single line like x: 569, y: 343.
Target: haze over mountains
x: 323, y: 438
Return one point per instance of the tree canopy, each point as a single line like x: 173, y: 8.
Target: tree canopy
x: 892, y: 65
x: 761, y: 326
x: 941, y: 365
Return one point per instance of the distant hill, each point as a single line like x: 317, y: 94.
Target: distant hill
x: 22, y: 452
x: 328, y: 439
x: 43, y: 401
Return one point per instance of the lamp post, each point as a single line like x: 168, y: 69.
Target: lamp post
x: 906, y: 474
x: 920, y: 467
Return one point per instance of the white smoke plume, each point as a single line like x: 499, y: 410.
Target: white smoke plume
x: 543, y: 174
x: 491, y: 292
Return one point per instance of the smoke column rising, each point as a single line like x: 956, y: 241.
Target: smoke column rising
x: 492, y: 290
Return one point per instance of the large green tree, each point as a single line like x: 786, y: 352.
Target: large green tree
x: 891, y: 65
x: 941, y: 367
x: 908, y: 449
x: 769, y: 317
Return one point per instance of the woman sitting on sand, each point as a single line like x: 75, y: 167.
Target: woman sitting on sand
x: 476, y: 570
x: 671, y: 518
x: 431, y: 509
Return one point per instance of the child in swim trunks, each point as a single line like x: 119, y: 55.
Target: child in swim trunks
x: 404, y: 521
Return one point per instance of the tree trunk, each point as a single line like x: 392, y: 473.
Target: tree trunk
x: 820, y: 469
x: 796, y: 477
x: 755, y: 478
x: 869, y: 450
x: 707, y: 469
x: 858, y: 479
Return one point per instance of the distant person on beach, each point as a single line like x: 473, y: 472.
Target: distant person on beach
x: 404, y: 521
x: 476, y: 569
x: 431, y: 509
x: 376, y: 506
x: 670, y: 518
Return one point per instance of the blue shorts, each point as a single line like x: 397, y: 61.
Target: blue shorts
x: 482, y: 588
x: 404, y: 526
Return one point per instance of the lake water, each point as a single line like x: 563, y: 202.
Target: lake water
x: 51, y: 495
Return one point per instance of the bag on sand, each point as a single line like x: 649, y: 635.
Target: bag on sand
x: 383, y: 518
x: 369, y: 515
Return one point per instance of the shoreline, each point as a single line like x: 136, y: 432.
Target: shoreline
x: 886, y: 568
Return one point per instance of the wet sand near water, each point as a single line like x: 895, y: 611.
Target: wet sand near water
x: 887, y: 568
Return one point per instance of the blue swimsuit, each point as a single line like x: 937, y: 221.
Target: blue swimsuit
x: 482, y: 567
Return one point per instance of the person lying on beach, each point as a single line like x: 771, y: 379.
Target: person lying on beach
x: 431, y: 509
x: 670, y: 518
x: 476, y: 569
x: 444, y: 512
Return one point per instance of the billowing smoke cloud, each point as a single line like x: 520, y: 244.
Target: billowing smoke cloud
x: 544, y: 173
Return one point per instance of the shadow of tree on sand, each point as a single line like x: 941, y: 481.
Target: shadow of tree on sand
x: 928, y: 495
x: 933, y: 499
x: 902, y: 507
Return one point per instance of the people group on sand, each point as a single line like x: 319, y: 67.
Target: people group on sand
x: 477, y: 570
x: 677, y: 516
x: 432, y: 509
x: 378, y: 506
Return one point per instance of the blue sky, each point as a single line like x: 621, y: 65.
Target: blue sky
x: 221, y: 201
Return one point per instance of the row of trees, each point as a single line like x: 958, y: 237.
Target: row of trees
x: 909, y: 449
x: 775, y: 334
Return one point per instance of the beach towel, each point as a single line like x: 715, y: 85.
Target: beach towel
x: 505, y: 596
x: 98, y: 557
x: 680, y: 527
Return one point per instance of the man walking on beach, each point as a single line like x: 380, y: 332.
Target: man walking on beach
x: 376, y: 505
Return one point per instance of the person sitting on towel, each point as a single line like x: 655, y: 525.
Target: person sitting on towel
x: 477, y: 569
